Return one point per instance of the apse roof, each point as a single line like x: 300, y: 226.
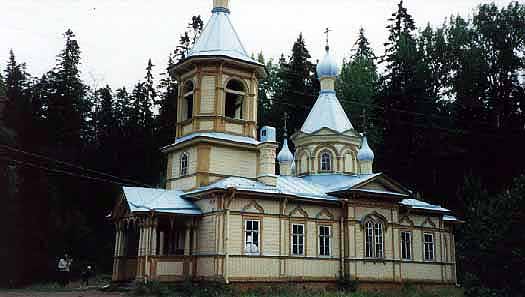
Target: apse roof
x: 327, y: 113
x: 219, y: 38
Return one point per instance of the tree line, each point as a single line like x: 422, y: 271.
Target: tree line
x: 443, y: 108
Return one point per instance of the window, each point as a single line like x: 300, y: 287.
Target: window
x: 298, y: 239
x: 374, y: 244
x: 324, y: 241
x: 187, y: 102
x: 326, y: 161
x: 184, y: 164
x: 406, y: 245
x: 235, y: 94
x: 369, y: 239
x: 251, y: 230
x: 378, y: 229
x: 428, y: 245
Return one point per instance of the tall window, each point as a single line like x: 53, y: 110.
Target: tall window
x: 324, y: 240
x: 184, y: 164
x: 406, y: 245
x: 369, y: 242
x: 298, y: 239
x: 326, y: 161
x: 428, y: 245
x: 187, y: 103
x: 235, y: 94
x: 378, y: 230
x: 374, y: 243
x: 251, y: 237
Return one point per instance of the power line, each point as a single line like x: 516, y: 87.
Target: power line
x: 59, y: 171
x: 125, y: 180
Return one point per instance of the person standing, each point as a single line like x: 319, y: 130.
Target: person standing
x: 62, y: 266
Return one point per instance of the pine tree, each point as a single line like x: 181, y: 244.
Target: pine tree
x: 3, y: 88
x: 18, y: 111
x: 358, y: 84
x: 67, y: 106
x: 298, y: 87
x: 188, y: 39
x: 167, y: 118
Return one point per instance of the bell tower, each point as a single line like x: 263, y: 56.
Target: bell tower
x: 216, y: 108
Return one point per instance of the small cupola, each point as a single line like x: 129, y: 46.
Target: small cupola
x: 365, y: 156
x: 285, y: 159
x: 328, y: 67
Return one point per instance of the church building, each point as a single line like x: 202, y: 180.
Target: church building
x: 226, y: 215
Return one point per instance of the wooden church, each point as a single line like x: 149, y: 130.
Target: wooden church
x: 226, y: 216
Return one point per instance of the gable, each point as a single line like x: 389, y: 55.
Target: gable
x: 382, y: 184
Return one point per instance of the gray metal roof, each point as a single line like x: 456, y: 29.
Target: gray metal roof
x: 417, y: 204
x: 159, y: 200
x: 215, y: 135
x: 315, y: 187
x: 219, y: 38
x: 327, y: 113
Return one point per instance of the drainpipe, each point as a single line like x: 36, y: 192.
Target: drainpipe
x: 227, y: 235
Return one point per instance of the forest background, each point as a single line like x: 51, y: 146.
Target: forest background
x: 444, y: 109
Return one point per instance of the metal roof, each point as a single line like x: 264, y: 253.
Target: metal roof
x: 215, y: 135
x: 219, y: 38
x: 285, y: 155
x: 327, y: 113
x: 159, y: 200
x: 417, y: 204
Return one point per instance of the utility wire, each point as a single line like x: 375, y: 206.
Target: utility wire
x: 126, y: 181
x: 59, y: 171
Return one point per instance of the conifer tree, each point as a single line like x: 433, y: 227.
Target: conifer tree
x: 18, y: 112
x: 298, y: 87
x: 188, y: 39
x: 3, y: 90
x: 67, y: 105
x: 358, y: 84
x: 167, y: 118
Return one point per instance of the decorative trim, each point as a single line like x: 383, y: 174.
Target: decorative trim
x: 407, y: 220
x: 253, y: 204
x: 299, y: 210
x: 325, y: 212
x: 220, y: 9
x: 429, y: 222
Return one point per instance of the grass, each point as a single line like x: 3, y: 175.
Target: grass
x: 218, y: 290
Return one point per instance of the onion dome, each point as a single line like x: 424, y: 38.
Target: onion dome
x: 328, y: 66
x: 285, y: 155
x: 365, y: 152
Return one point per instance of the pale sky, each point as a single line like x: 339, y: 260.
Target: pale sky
x: 117, y: 37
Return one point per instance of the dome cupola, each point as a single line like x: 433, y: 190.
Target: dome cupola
x: 365, y: 152
x: 285, y: 155
x: 328, y: 66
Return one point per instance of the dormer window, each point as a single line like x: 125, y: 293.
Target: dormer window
x: 184, y: 164
x: 326, y: 161
x: 235, y: 94
x: 187, y: 101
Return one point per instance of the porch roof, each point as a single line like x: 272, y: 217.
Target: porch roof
x: 159, y: 200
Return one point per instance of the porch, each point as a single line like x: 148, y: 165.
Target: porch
x: 155, y: 247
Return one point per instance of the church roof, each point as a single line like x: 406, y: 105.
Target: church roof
x: 417, y: 204
x: 316, y: 187
x: 159, y: 200
x: 216, y: 136
x: 219, y: 38
x: 327, y: 113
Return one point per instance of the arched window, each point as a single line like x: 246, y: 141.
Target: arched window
x: 187, y: 102
x: 184, y: 164
x: 326, y: 161
x: 235, y: 93
x: 374, y: 239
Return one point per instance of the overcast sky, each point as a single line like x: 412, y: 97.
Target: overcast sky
x: 117, y: 37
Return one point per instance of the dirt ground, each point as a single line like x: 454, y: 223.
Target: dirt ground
x: 27, y: 293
